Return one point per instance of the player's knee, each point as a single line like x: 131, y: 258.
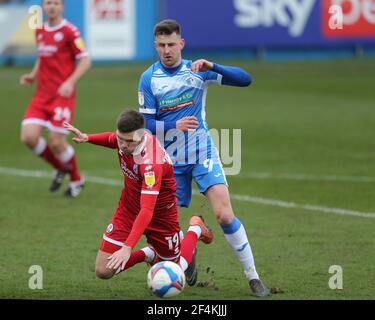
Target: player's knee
x: 29, y: 140
x: 103, y: 273
x: 224, y: 217
x: 223, y: 212
x: 57, y: 145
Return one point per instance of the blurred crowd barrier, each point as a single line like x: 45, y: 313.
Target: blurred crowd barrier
x: 121, y: 30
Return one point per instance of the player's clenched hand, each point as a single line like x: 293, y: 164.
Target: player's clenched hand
x: 26, y: 80
x: 201, y: 65
x: 66, y: 89
x: 187, y: 123
x: 79, y: 137
x: 119, y: 258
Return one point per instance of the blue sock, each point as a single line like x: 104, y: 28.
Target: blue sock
x: 236, y: 236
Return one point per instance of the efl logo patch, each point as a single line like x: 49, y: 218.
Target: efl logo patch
x: 79, y: 43
x: 150, y: 179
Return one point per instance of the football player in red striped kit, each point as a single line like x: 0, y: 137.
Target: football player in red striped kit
x: 59, y: 45
x: 147, y: 205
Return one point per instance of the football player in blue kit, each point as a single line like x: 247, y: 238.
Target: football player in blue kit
x: 172, y: 97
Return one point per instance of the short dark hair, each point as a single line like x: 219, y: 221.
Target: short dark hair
x: 167, y: 27
x: 130, y: 120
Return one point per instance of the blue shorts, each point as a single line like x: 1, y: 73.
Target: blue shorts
x: 205, y: 176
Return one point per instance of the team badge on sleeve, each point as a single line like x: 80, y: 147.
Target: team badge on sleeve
x: 79, y: 43
x: 150, y: 178
x: 141, y: 98
x: 109, y: 228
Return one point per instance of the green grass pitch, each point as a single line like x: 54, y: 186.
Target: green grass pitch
x: 305, y: 193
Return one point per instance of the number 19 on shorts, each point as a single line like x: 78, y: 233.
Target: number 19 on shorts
x: 174, y: 243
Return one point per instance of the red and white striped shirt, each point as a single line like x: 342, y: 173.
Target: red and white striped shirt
x: 58, y: 48
x: 149, y: 185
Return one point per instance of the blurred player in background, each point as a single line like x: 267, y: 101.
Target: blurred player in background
x: 172, y: 94
x: 147, y: 204
x: 59, y: 45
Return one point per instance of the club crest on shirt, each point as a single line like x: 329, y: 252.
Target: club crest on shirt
x: 150, y: 179
x: 58, y: 36
x: 191, y: 81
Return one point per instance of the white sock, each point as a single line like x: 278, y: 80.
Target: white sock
x: 66, y: 155
x: 183, y: 264
x: 40, y: 146
x: 74, y: 184
x: 236, y: 236
x: 150, y: 254
x: 181, y: 235
x: 196, y: 229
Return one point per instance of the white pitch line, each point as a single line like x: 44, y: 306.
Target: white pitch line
x: 239, y: 197
x: 45, y: 174
x: 286, y: 204
x: 303, y: 177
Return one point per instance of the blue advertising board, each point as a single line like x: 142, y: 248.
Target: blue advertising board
x: 273, y: 23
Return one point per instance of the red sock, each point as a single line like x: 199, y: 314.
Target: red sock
x: 135, y: 257
x: 48, y: 156
x: 188, y: 246
x: 69, y: 159
x: 74, y: 172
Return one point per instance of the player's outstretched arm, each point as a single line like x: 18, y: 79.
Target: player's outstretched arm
x: 232, y: 76
x: 104, y: 139
x: 201, y: 65
x: 79, y: 137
